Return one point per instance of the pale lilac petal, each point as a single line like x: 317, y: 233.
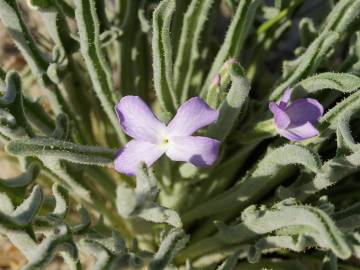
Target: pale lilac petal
x: 191, y: 116
x: 299, y: 133
x: 281, y: 119
x: 129, y: 158
x: 200, y: 151
x: 137, y: 120
x: 285, y: 99
x: 304, y: 110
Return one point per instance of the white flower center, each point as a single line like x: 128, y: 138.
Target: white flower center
x: 165, y: 141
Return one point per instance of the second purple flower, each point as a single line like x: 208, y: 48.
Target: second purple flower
x: 152, y: 138
x: 296, y: 121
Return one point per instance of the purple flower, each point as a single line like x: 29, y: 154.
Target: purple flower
x: 152, y: 138
x: 296, y: 121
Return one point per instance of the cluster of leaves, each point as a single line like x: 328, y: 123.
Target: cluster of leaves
x: 40, y: 233
x: 306, y: 193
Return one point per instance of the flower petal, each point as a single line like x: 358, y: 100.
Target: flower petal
x: 281, y: 119
x: 199, y: 151
x: 304, y: 110
x: 128, y: 158
x: 300, y: 133
x: 285, y: 99
x: 137, y: 120
x: 191, y: 116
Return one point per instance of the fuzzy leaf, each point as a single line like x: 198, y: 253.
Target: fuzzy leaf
x: 297, y: 244
x: 230, y: 262
x: 282, y: 215
x: 345, y: 141
x: 308, y: 62
x: 50, y: 147
x: 340, y: 17
x: 11, y: 18
x: 12, y: 101
x: 234, y: 39
x: 342, y: 82
x: 174, y: 241
x: 162, y: 55
x: 141, y: 202
x: 188, y: 51
x: 62, y: 201
x: 62, y: 127
x: 263, y: 178
x: 232, y: 105
x: 331, y: 118
x: 48, y: 247
x: 330, y: 173
x: 307, y: 31
x: 88, y: 25
x: 21, y: 181
x: 24, y: 213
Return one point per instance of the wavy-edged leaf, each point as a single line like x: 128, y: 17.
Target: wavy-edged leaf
x: 45, y: 251
x: 230, y: 262
x: 348, y: 219
x: 286, y: 218
x: 307, y: 31
x: 331, y: 118
x: 345, y: 141
x: 262, y: 179
x: 323, y: 229
x: 298, y: 244
x: 24, y: 213
x: 174, y: 241
x: 343, y: 82
x: 11, y: 18
x: 23, y: 180
x: 160, y: 214
x: 330, y: 173
x: 141, y: 202
x: 12, y: 101
x: 61, y: 201
x: 84, y: 224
